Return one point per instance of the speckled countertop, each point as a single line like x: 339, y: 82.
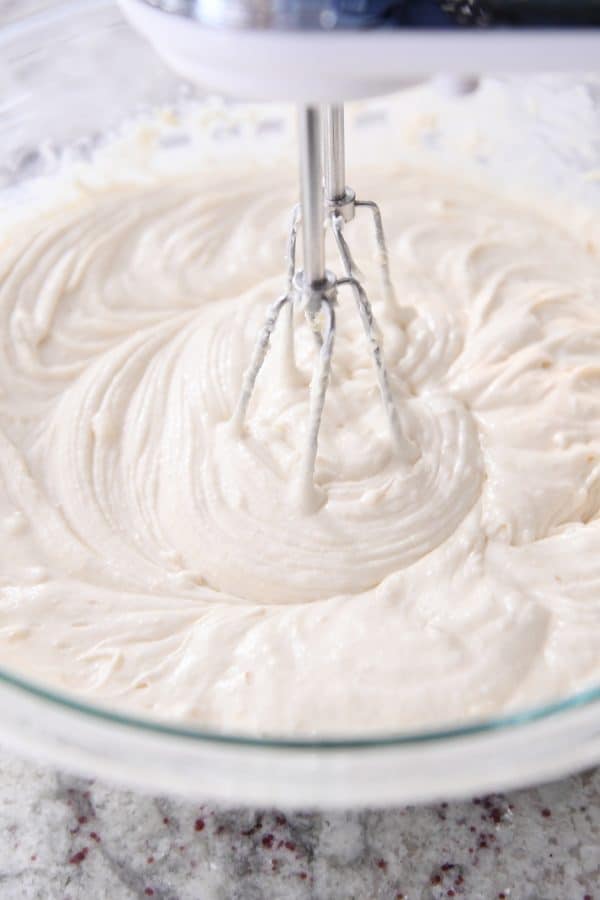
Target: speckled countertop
x: 64, y: 838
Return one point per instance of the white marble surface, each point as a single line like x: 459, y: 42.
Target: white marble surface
x: 13, y: 10
x: 64, y: 838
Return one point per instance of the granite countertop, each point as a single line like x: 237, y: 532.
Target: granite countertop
x: 66, y: 838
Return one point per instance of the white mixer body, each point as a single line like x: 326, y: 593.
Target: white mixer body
x: 328, y: 66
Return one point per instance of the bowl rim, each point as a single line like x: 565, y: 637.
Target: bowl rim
x: 428, y: 736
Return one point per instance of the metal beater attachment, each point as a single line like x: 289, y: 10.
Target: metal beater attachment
x: 314, y: 289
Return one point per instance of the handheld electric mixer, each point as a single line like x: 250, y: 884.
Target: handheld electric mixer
x: 234, y: 44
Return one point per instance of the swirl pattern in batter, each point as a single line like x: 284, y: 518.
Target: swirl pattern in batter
x: 153, y: 561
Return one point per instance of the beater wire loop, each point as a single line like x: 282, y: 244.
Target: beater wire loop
x: 382, y: 250
x: 258, y: 358
x: 307, y: 495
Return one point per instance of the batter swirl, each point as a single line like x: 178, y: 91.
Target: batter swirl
x: 151, y: 559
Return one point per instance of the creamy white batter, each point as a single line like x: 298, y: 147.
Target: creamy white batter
x: 151, y: 560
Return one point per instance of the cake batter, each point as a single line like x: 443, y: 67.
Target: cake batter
x: 154, y: 560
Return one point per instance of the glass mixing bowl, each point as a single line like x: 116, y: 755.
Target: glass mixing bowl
x: 58, y: 100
